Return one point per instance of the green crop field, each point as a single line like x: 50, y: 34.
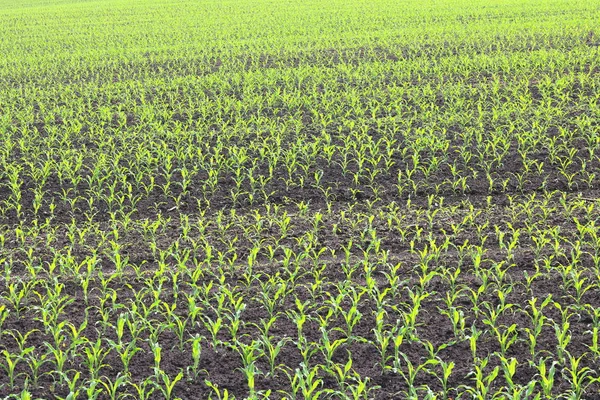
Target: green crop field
x: 300, y: 199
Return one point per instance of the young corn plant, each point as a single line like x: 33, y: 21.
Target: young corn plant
x: 250, y: 353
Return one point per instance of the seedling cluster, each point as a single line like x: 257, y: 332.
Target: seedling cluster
x: 300, y: 200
